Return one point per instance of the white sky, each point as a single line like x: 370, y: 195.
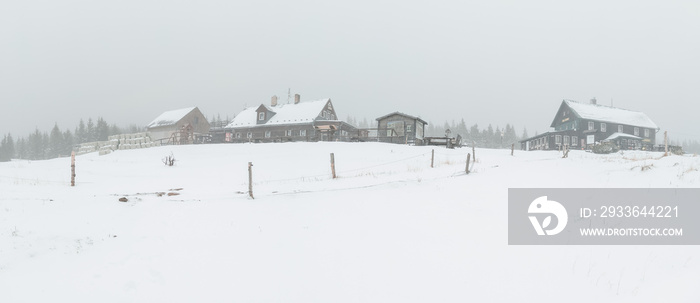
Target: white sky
x: 485, y: 61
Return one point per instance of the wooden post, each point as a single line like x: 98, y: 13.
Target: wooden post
x: 474, y: 152
x: 432, y: 159
x: 250, y: 180
x: 468, y: 160
x: 333, y: 164
x: 72, y: 168
x: 665, y: 143
x: 512, y: 148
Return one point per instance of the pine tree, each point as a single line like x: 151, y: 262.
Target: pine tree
x: 91, y: 131
x: 4, y: 150
x: 524, y: 136
x: 55, y: 143
x: 35, y: 146
x: 10, y: 146
x: 81, y: 133
x: 475, y: 135
x: 364, y: 123
x: 461, y: 129
x: 21, y: 149
x: 510, y: 136
x: 102, y: 130
x: 489, y: 137
x: 498, y: 138
x: 68, y: 142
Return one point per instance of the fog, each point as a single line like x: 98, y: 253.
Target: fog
x: 489, y: 62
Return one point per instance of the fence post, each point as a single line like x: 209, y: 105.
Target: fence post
x: 432, y: 159
x: 468, y: 160
x: 250, y: 180
x: 333, y: 164
x: 72, y: 168
x: 665, y: 143
x: 512, y: 148
x: 474, y: 151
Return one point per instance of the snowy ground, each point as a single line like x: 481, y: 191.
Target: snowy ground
x: 389, y: 229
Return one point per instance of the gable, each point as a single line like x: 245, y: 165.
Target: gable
x: 170, y: 117
x: 265, y: 113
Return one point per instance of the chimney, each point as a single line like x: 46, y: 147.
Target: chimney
x: 297, y: 98
x: 594, y: 101
x: 274, y: 101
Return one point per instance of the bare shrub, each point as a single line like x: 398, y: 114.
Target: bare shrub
x: 169, y: 160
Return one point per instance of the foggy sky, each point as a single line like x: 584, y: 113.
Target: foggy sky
x: 485, y: 61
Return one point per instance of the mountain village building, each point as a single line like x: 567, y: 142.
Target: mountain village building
x: 580, y: 125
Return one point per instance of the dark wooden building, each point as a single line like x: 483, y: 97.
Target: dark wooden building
x: 578, y: 125
x: 298, y: 121
x: 401, y: 128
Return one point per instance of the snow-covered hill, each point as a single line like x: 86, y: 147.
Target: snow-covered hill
x: 389, y: 229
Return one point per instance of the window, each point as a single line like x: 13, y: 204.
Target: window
x: 288, y: 133
x: 646, y: 133
x: 557, y: 139
x: 574, y: 140
x: 250, y: 135
x: 238, y: 135
x: 620, y: 129
x: 566, y: 140
x: 261, y: 116
x: 590, y: 139
x: 591, y: 125
x: 603, y: 127
x: 302, y: 133
x: 408, y: 128
x: 268, y: 134
x: 636, y: 131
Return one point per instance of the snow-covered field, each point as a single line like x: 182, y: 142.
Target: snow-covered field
x: 389, y: 229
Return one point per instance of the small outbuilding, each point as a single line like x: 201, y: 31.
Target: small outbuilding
x: 171, y: 125
x: 401, y: 128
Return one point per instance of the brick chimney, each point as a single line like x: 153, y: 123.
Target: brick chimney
x: 274, y: 101
x: 297, y: 98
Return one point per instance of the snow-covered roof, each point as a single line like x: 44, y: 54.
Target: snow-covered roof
x: 170, y: 117
x: 621, y: 135
x: 605, y: 113
x: 302, y: 112
x: 402, y: 114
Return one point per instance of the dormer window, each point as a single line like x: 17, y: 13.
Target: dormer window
x: 261, y: 116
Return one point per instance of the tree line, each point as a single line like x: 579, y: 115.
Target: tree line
x: 59, y: 143
x: 488, y: 137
